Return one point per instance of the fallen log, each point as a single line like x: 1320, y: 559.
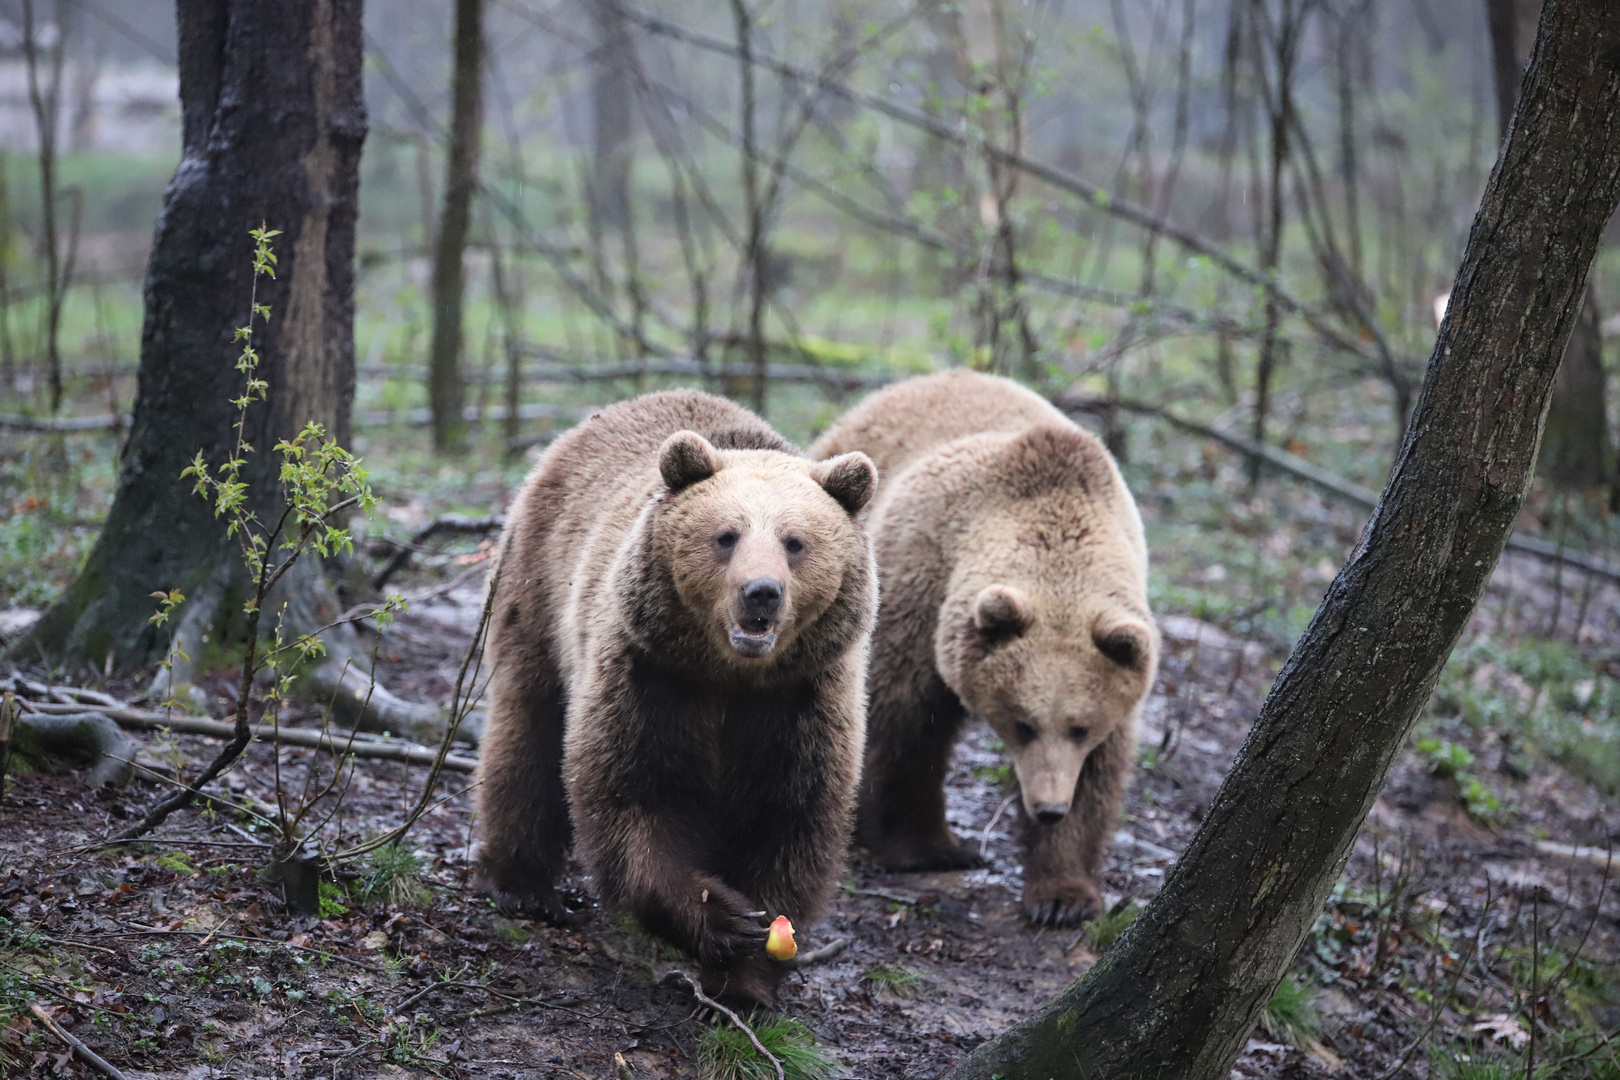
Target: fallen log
x: 152, y: 720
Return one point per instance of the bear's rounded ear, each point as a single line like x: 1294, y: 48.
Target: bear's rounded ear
x: 849, y: 478
x: 1001, y: 611
x: 686, y: 458
x: 1125, y: 641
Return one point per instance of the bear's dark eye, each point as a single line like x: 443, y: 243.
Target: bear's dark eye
x: 1078, y: 734
x: 793, y: 546
x: 1023, y: 732
x: 726, y: 540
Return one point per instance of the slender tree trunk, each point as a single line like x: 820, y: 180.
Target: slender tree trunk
x: 1178, y: 994
x: 447, y: 389
x: 1575, y: 450
x: 45, y: 97
x: 273, y: 119
x: 754, y: 253
x: 612, y: 115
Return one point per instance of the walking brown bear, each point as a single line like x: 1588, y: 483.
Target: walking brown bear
x: 678, y: 644
x: 1014, y: 579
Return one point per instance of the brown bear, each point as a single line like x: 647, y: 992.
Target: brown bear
x: 678, y: 643
x: 1014, y: 584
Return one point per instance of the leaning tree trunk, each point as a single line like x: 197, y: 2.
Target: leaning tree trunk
x: 1575, y: 454
x: 1179, y: 992
x: 273, y: 120
x: 447, y: 390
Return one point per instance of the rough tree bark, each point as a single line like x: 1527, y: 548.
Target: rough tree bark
x: 1179, y: 992
x: 1575, y: 452
x: 272, y: 123
x: 447, y: 390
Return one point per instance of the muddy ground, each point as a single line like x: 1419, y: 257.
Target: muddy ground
x: 175, y: 958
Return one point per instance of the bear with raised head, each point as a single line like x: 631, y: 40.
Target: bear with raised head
x: 678, y: 643
x: 1014, y: 580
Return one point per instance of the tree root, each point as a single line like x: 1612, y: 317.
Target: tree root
x: 80, y: 734
x: 361, y: 702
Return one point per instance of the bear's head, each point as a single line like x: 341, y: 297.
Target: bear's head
x: 1052, y: 677
x: 762, y: 545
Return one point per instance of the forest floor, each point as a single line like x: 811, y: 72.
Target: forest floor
x: 1475, y: 913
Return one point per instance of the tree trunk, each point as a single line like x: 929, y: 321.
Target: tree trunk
x: 1575, y: 454
x: 273, y: 120
x: 1178, y: 994
x: 447, y: 390
x: 612, y: 117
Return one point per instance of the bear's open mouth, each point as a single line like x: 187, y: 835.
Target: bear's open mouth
x: 753, y: 637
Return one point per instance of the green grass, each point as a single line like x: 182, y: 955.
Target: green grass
x: 1105, y: 929
x: 1291, y: 1015
x: 1468, y: 1067
x: 394, y: 876
x: 887, y: 980
x: 725, y: 1053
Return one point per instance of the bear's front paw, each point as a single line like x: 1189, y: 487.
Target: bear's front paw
x: 1065, y: 902
x: 728, y: 926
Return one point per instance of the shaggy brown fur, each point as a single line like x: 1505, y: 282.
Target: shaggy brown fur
x: 706, y: 737
x: 1014, y: 588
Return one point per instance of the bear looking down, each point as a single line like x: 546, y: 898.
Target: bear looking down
x: 1014, y: 576
x: 678, y: 643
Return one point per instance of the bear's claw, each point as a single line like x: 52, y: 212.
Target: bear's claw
x: 1066, y: 903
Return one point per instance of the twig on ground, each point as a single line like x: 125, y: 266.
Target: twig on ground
x: 829, y: 951
x: 87, y: 1055
x: 452, y: 524
x: 883, y: 894
x: 984, y: 837
x: 704, y: 999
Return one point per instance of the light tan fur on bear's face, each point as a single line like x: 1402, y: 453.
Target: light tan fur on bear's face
x: 755, y: 545
x: 1054, y: 681
x: 1045, y: 635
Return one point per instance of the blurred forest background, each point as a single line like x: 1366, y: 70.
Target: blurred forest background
x: 1220, y: 232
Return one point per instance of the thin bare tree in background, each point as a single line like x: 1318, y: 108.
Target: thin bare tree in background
x: 755, y: 255
x: 45, y: 98
x: 1272, y: 47
x: 612, y: 115
x: 1575, y: 448
x: 8, y: 357
x: 447, y: 387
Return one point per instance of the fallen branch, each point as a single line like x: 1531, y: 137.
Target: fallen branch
x: 1603, y: 857
x: 455, y: 524
x: 152, y: 720
x: 84, y: 1053
x: 1327, y: 482
x: 704, y: 999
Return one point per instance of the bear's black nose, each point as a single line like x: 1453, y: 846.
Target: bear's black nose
x: 1050, y: 813
x: 762, y: 598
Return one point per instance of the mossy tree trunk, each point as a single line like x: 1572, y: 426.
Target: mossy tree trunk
x: 273, y: 120
x: 1575, y: 450
x: 1179, y: 992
